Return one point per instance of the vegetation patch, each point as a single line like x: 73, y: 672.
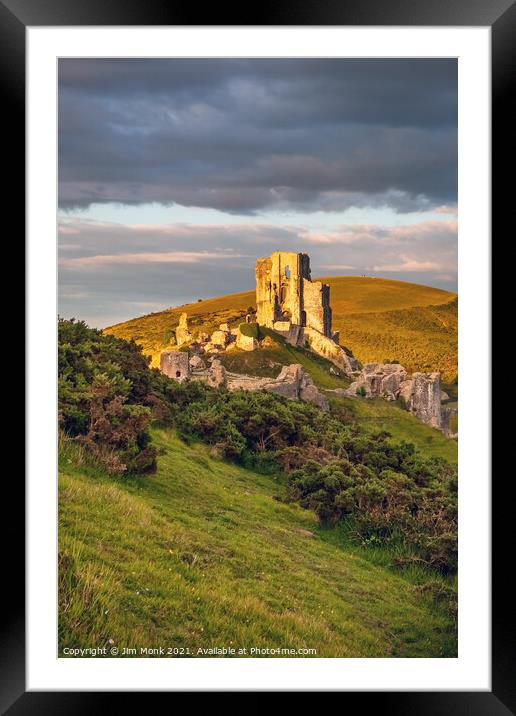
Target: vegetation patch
x: 377, y: 415
x: 249, y: 329
x: 103, y: 385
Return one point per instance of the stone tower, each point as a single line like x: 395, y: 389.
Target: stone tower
x: 286, y: 295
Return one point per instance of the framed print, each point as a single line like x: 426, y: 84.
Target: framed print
x: 258, y: 261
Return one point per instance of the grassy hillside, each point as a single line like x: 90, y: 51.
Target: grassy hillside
x: 201, y: 555
x: 379, y: 319
x: 423, y: 338
x: 376, y: 415
x: 363, y: 294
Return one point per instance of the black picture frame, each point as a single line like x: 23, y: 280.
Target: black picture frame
x: 500, y: 15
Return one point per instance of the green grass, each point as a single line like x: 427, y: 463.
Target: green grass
x: 379, y: 319
x: 201, y: 554
x: 267, y: 362
x: 251, y: 330
x: 377, y: 414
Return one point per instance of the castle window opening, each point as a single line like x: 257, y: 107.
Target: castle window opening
x: 178, y: 373
x: 287, y: 271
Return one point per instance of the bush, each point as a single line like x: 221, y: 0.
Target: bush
x: 103, y: 382
x: 382, y: 505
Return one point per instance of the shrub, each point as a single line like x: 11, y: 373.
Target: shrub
x: 383, y: 505
x: 103, y: 382
x: 249, y: 329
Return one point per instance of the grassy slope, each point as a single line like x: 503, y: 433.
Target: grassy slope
x: 423, y: 338
x: 267, y: 362
x: 378, y: 318
x: 200, y: 554
x: 377, y: 415
x: 362, y: 294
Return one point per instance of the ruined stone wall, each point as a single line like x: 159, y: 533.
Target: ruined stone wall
x: 425, y: 398
x: 287, y: 285
x: 175, y: 364
x: 279, y: 287
x: 183, y: 334
x: 325, y: 296
x: 316, y: 306
x: 420, y: 392
x: 327, y: 348
x: 292, y: 383
x: 264, y: 295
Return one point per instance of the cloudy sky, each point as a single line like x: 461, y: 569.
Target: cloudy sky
x: 176, y: 174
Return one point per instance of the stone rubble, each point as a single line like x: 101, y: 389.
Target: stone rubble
x: 246, y: 343
x: 216, y: 374
x: 378, y: 380
x: 421, y: 392
x: 197, y: 363
x: 183, y: 334
x: 293, y: 383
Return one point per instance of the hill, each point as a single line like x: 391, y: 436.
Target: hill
x: 201, y: 554
x: 376, y: 415
x: 379, y: 319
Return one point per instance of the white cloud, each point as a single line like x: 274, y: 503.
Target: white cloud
x: 445, y: 209
x: 337, y: 267
x: 145, y: 258
x: 408, y: 264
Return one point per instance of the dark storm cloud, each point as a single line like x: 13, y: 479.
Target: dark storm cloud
x: 248, y: 135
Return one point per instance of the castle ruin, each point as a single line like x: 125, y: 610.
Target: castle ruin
x: 297, y: 308
x: 289, y: 302
x: 286, y: 295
